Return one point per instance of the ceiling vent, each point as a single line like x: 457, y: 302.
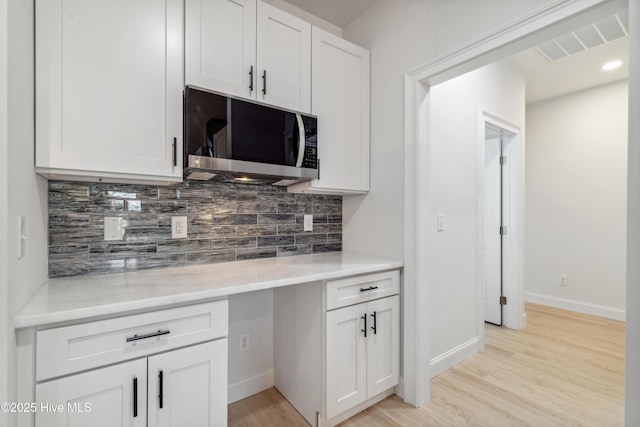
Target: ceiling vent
x: 596, y: 34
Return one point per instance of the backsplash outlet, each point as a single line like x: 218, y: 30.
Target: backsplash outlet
x: 226, y: 222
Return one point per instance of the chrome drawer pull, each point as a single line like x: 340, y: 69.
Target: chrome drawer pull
x: 370, y: 288
x: 137, y: 337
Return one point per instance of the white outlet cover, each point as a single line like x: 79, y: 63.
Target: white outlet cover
x: 244, y: 342
x: 178, y: 227
x: 113, y: 229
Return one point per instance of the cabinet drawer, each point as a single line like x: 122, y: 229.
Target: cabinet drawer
x: 74, y: 348
x: 354, y: 290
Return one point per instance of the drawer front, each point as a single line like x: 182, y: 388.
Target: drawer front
x: 74, y: 348
x: 354, y: 290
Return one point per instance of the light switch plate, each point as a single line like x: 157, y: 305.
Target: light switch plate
x: 308, y: 223
x: 440, y: 222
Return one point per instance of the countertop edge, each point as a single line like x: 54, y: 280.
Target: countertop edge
x: 23, y: 321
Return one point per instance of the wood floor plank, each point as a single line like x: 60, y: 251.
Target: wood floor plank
x: 563, y: 369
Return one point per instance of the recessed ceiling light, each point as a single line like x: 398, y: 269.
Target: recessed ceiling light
x: 612, y: 65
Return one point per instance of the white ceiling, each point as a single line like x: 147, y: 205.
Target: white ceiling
x: 547, y: 79
x: 544, y: 79
x: 338, y: 12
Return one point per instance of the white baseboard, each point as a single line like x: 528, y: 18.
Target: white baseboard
x: 245, y: 388
x: 449, y: 359
x: 579, y: 306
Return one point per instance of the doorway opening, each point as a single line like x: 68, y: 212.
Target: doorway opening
x: 547, y: 23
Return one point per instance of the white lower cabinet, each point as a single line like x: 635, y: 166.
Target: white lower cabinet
x: 107, y: 397
x: 336, y: 345
x: 166, y: 368
x: 362, y: 353
x: 188, y: 387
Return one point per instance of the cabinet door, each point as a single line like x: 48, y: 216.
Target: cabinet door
x: 383, y: 345
x: 101, y: 398
x: 284, y: 54
x: 341, y: 102
x: 188, y: 387
x: 346, y: 359
x: 220, y: 45
x: 109, y: 87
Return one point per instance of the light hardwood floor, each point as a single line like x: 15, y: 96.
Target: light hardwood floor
x: 563, y: 369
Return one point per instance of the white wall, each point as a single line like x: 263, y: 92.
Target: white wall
x: 457, y: 22
x: 250, y: 371
x: 576, y: 192
x: 304, y: 15
x: 452, y: 260
x: 401, y: 35
x: 27, y: 193
x: 396, y: 33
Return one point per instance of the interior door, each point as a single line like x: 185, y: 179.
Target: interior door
x: 492, y: 223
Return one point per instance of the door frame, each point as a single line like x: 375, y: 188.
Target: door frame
x: 552, y: 20
x: 6, y: 328
x: 513, y: 316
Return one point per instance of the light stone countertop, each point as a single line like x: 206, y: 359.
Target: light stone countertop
x: 84, y: 297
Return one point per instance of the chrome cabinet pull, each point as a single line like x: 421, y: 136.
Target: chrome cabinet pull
x: 137, y: 337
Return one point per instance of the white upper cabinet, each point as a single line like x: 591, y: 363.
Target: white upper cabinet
x: 220, y: 45
x: 109, y: 89
x: 340, y: 99
x: 284, y: 59
x: 249, y: 49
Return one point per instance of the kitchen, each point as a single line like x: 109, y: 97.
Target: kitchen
x: 387, y: 237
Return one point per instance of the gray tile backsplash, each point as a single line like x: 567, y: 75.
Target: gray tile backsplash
x: 225, y: 222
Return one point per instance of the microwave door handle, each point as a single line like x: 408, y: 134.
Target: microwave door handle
x: 301, y: 140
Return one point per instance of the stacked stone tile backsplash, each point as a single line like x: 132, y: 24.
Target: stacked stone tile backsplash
x: 226, y: 222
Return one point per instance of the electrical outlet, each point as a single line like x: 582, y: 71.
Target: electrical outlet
x: 308, y: 223
x: 563, y: 280
x: 178, y: 227
x: 244, y: 342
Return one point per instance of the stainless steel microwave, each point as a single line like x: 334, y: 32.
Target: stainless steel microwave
x: 242, y: 138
